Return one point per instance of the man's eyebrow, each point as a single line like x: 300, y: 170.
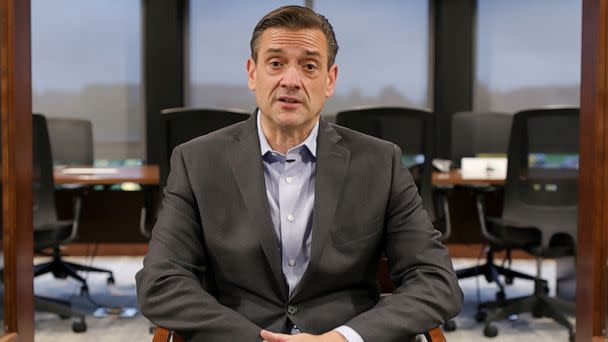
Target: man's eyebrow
x: 308, y: 52
x: 274, y: 50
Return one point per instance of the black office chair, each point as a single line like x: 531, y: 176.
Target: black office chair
x: 412, y: 130
x: 71, y: 144
x: 540, y: 206
x: 178, y: 125
x: 475, y: 133
x: 71, y: 141
x: 49, y: 232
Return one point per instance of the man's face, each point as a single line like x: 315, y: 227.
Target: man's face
x: 290, y: 78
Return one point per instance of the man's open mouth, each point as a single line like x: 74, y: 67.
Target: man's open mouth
x: 289, y: 99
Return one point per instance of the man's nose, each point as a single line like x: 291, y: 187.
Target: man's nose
x: 291, y: 78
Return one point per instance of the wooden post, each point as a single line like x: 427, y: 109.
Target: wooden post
x: 16, y: 114
x: 591, y: 303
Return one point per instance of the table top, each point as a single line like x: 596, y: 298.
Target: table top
x: 456, y: 177
x: 145, y: 174
x: 150, y: 175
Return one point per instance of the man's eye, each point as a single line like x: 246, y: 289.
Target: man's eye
x: 310, y: 66
x: 275, y: 64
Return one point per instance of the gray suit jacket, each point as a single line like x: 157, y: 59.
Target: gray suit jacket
x: 215, y: 228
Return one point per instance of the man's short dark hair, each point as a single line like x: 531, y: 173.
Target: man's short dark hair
x: 295, y: 18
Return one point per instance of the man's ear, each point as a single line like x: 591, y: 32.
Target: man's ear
x: 332, y: 75
x: 251, y: 74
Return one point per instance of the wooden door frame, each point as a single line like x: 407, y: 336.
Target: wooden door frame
x: 16, y: 116
x: 591, y: 301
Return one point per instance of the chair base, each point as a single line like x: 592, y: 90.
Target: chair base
x: 63, y: 269
x: 491, y: 273
x: 538, y: 304
x: 63, y: 309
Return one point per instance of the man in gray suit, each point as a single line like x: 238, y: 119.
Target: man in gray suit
x: 271, y: 229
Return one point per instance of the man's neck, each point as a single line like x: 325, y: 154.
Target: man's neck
x: 282, y: 139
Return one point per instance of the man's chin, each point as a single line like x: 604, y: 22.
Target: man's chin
x: 289, y: 120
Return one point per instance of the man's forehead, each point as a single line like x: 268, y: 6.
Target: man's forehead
x: 312, y: 40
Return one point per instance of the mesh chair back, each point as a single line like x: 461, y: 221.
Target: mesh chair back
x: 43, y: 185
x: 178, y: 125
x: 410, y: 129
x: 542, y: 173
x: 476, y: 132
x: 71, y: 141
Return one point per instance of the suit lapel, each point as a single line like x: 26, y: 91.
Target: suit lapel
x: 249, y: 174
x: 332, y: 164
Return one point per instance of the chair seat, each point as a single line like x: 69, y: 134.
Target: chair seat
x: 513, y: 235
x: 560, y: 245
x: 49, y: 234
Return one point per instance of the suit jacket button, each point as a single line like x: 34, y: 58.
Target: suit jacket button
x: 292, y: 309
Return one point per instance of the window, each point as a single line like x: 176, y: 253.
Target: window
x: 528, y: 54
x: 219, y: 35
x: 384, y: 52
x: 389, y: 68
x: 86, y: 64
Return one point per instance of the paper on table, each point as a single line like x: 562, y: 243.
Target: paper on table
x: 89, y: 171
x: 484, y: 167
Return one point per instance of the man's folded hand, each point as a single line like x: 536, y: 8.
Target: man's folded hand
x: 332, y: 336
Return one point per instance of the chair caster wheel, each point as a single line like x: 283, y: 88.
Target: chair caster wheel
x: 79, y: 326
x: 110, y: 280
x: 480, y: 316
x: 490, y: 330
x: 500, y: 296
x: 509, y: 280
x: 449, y: 326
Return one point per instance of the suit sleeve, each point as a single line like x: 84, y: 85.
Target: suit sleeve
x: 427, y: 292
x: 169, y: 287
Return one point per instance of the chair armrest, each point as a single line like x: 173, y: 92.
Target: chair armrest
x: 164, y: 335
x: 435, y: 335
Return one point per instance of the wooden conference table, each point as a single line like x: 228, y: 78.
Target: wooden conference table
x: 150, y: 175
x: 145, y: 175
x: 456, y: 177
x: 114, y: 223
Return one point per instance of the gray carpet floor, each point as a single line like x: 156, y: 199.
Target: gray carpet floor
x: 49, y: 327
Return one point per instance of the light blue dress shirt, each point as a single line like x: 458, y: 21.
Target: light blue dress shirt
x: 290, y: 189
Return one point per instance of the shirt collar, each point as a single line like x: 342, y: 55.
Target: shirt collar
x: 310, y: 142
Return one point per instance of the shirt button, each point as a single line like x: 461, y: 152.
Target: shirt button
x: 290, y: 218
x: 292, y: 309
x: 292, y: 262
x: 288, y: 179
